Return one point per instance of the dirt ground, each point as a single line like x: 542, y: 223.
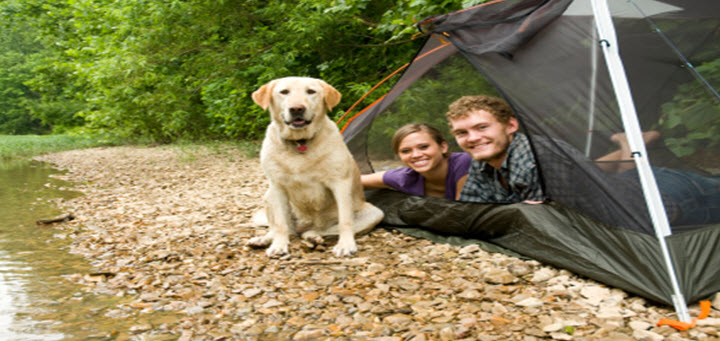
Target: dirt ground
x: 167, y: 226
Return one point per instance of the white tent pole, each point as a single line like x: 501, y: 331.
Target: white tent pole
x: 591, y: 106
x: 608, y: 42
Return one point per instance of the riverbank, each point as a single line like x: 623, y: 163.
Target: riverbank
x: 16, y: 147
x: 167, y: 227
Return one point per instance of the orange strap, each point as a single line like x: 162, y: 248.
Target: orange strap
x: 369, y: 92
x: 704, y: 312
x: 444, y: 43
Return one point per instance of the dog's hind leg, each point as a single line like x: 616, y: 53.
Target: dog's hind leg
x: 363, y: 221
x: 367, y: 218
x: 260, y: 219
x: 313, y: 237
x: 261, y: 241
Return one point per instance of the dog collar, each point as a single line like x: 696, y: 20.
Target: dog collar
x: 300, y: 145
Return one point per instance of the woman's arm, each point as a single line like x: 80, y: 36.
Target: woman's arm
x: 373, y: 180
x: 459, y: 185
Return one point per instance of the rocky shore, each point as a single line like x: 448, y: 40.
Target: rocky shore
x: 167, y: 227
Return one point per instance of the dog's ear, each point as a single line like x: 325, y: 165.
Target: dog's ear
x: 262, y: 96
x: 332, y: 96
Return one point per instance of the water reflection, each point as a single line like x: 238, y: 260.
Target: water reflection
x: 15, y: 322
x: 23, y: 247
x: 36, y: 302
x: 32, y: 261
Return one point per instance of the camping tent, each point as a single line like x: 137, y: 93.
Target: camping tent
x: 575, y: 72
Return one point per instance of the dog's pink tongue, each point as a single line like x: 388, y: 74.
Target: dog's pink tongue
x: 302, y: 148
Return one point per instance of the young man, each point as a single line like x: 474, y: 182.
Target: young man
x: 503, y: 169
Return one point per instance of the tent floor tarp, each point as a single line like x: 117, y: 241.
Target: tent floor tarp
x: 560, y: 236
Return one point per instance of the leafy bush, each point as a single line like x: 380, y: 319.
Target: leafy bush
x: 691, y: 121
x: 18, y: 57
x: 172, y: 70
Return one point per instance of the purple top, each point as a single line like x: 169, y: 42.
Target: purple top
x: 408, y: 181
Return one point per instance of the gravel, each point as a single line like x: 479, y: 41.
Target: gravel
x: 167, y: 226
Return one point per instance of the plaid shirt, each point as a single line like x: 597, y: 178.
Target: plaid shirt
x: 519, y: 170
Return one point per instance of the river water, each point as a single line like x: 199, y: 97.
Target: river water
x: 37, y: 301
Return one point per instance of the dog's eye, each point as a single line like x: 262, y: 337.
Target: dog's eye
x: 285, y: 92
x: 311, y: 91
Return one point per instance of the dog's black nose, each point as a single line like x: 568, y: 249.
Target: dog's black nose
x: 298, y: 111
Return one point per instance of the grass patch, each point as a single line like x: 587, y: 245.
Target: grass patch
x: 187, y: 151
x: 14, y: 147
x: 21, y: 148
x: 250, y: 148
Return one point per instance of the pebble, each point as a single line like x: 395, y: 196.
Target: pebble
x: 397, y: 319
x: 304, y: 335
x: 709, y: 321
x: 140, y: 329
x: 500, y: 276
x: 640, y: 325
x: 530, y: 302
x: 645, y: 335
x: 542, y: 275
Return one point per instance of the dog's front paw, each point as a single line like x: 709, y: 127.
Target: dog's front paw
x: 345, y: 247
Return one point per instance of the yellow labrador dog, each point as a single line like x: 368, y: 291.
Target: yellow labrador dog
x: 315, y: 187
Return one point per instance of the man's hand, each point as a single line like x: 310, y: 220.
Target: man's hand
x: 533, y: 202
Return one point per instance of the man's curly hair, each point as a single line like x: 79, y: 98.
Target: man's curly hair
x: 494, y: 105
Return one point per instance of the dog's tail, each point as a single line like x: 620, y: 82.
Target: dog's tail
x: 259, y: 218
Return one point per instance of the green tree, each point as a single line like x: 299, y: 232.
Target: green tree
x: 174, y: 69
x: 17, y: 52
x: 24, y: 63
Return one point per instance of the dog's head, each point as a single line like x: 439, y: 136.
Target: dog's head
x: 296, y: 103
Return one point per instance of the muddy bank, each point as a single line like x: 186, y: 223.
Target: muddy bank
x: 167, y: 227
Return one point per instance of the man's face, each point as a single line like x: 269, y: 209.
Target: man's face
x: 482, y: 136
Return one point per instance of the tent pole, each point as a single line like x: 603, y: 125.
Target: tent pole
x: 591, y: 106
x: 609, y: 44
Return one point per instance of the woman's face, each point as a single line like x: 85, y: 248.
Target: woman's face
x: 420, y: 152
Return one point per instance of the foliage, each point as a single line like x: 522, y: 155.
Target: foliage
x: 691, y: 121
x: 14, y: 94
x: 16, y: 63
x: 170, y: 70
x: 36, y: 95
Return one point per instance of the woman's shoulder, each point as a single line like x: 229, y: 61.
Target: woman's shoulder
x: 404, y: 179
x: 460, y: 161
x: 401, y: 176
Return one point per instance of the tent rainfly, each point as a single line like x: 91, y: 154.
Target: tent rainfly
x: 575, y: 72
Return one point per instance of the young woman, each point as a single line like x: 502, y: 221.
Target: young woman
x: 430, y: 170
